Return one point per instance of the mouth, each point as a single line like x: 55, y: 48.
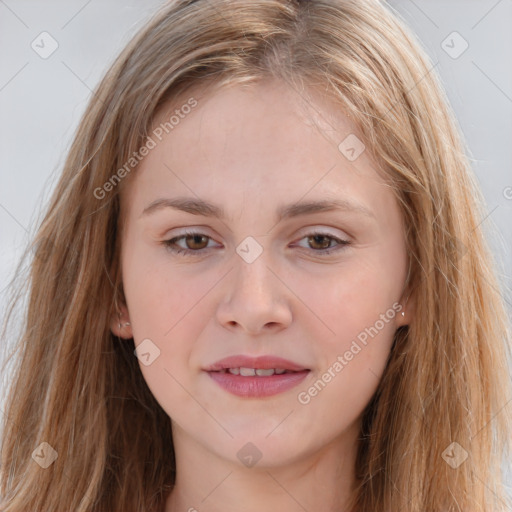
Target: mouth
x: 256, y: 377
x: 253, y: 372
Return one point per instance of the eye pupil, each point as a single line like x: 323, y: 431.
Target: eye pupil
x: 195, y: 238
x: 326, y: 240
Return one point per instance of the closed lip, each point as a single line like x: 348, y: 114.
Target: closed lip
x: 263, y: 362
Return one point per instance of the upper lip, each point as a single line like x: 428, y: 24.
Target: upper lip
x: 263, y: 362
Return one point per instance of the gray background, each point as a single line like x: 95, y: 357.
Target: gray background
x: 42, y: 100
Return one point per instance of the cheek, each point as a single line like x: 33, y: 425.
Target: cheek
x: 166, y: 312
x: 344, y: 302
x: 164, y: 307
x: 352, y: 363
x: 161, y: 297
x: 354, y: 325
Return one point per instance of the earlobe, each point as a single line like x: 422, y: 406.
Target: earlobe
x: 401, y: 318
x: 120, y: 324
x: 406, y: 314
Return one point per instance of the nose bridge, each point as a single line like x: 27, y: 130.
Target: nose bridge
x: 252, y: 272
x: 255, y: 296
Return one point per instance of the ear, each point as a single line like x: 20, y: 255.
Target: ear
x: 120, y: 323
x: 406, y: 315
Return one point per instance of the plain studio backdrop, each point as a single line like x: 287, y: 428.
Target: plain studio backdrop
x: 54, y: 53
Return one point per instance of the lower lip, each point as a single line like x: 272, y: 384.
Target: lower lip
x: 258, y: 386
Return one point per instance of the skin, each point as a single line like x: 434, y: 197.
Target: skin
x: 252, y: 149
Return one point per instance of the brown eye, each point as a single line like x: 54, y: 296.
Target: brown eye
x: 194, y: 243
x: 321, y: 243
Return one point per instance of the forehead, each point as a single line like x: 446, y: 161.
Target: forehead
x: 257, y: 143
x: 249, y: 107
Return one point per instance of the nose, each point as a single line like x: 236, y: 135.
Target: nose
x: 255, y: 298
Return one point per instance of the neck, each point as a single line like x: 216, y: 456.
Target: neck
x: 205, y: 482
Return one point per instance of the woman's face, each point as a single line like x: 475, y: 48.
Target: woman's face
x: 256, y: 281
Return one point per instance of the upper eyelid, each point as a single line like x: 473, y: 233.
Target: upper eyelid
x: 303, y: 232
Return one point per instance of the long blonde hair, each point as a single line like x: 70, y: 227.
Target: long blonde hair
x: 80, y: 390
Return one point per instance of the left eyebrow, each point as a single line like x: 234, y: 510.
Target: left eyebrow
x: 207, y: 209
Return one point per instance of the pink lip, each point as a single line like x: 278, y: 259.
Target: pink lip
x: 263, y: 362
x: 256, y: 386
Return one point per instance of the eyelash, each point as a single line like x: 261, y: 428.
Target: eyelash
x: 170, y: 244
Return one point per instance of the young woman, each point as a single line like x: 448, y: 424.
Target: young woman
x: 261, y: 282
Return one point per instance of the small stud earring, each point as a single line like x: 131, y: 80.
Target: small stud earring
x: 127, y: 323
x: 403, y: 314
